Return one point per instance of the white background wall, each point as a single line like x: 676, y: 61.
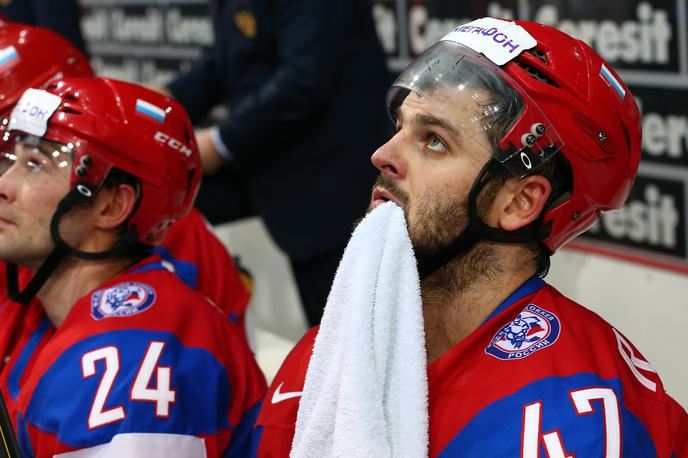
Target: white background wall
x: 649, y: 306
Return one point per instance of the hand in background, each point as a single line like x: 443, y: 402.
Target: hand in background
x: 211, y: 161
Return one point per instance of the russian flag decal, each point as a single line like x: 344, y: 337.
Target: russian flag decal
x: 8, y: 56
x: 613, y: 82
x: 150, y: 111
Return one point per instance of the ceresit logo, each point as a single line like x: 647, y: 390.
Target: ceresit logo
x: 644, y: 39
x: 173, y: 143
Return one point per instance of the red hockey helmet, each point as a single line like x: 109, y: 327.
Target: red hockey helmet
x: 558, y: 96
x: 32, y: 56
x: 596, y: 117
x: 109, y: 124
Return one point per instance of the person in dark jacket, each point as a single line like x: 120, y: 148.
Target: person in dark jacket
x: 59, y: 16
x: 295, y: 76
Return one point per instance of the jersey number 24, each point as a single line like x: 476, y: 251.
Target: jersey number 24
x: 162, y: 395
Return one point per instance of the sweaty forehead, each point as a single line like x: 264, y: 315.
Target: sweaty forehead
x: 461, y: 114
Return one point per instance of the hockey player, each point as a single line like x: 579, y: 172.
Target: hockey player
x: 32, y: 56
x: 29, y: 57
x: 511, y: 139
x: 126, y: 360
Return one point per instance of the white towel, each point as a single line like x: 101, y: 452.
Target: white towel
x: 366, y: 388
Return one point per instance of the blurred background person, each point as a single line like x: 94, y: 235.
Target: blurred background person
x: 61, y: 16
x: 283, y: 151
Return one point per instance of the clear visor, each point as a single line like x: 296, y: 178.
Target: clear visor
x: 478, y: 103
x: 34, y: 158
x: 59, y: 152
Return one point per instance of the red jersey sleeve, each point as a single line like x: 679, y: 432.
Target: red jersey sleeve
x: 274, y: 429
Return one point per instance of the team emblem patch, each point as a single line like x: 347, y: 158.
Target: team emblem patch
x: 532, y: 330
x: 125, y: 299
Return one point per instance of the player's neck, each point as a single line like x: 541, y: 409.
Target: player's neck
x: 457, y: 299
x: 73, y: 279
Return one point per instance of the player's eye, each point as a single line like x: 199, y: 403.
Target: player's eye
x: 435, y: 144
x: 37, y: 161
x: 35, y: 165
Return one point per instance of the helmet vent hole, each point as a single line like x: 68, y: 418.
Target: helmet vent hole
x: 71, y: 97
x: 70, y: 110
x: 536, y: 74
x: 539, y: 54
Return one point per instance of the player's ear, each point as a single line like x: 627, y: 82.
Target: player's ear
x: 520, y: 201
x: 113, y: 206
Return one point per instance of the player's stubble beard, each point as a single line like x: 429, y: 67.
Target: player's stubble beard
x: 437, y: 223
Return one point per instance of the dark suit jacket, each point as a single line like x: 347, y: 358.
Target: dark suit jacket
x: 304, y: 81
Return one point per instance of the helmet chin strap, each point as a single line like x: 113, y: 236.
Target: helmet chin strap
x: 81, y: 194
x: 477, y: 230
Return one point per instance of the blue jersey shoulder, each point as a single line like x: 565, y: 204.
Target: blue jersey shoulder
x: 126, y: 381
x: 578, y: 415
x: 186, y: 271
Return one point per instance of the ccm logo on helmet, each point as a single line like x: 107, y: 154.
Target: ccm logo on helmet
x: 173, y: 143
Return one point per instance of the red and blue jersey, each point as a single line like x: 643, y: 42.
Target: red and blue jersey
x: 142, y: 363
x: 201, y: 261
x: 541, y: 377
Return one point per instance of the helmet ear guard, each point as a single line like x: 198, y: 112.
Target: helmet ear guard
x: 116, y: 125
x: 597, y: 119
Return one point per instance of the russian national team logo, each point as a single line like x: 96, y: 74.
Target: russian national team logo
x: 532, y: 330
x: 125, y: 299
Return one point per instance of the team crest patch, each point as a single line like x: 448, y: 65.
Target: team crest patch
x: 532, y: 330
x: 125, y: 299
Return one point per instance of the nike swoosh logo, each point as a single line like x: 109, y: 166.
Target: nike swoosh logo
x: 279, y: 396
